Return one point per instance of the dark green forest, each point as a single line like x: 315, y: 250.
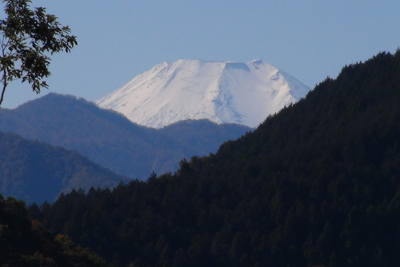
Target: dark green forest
x: 25, y: 242
x: 317, y: 184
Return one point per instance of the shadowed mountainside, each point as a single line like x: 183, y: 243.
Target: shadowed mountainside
x: 109, y: 139
x: 37, y: 172
x: 318, y: 184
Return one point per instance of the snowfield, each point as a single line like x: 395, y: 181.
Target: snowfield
x: 223, y: 92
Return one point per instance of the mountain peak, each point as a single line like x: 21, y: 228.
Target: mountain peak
x: 223, y: 92
x: 256, y: 61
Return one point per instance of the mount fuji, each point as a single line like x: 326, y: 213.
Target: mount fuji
x: 222, y: 92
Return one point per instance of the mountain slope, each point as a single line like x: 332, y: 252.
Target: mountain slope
x: 223, y: 92
x: 111, y: 140
x: 37, y: 172
x: 318, y: 184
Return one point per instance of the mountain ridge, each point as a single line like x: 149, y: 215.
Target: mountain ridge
x: 36, y: 172
x: 111, y: 140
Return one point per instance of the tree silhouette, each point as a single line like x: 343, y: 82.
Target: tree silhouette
x: 27, y: 37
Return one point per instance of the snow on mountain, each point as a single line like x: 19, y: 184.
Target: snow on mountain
x: 223, y: 92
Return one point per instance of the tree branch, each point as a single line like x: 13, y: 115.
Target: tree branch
x: 4, y: 86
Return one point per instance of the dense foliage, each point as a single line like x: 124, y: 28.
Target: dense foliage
x: 318, y: 184
x: 111, y: 140
x: 34, y: 171
x: 25, y: 242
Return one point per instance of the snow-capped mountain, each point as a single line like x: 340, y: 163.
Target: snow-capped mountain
x: 223, y: 92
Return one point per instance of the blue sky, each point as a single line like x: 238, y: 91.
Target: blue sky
x: 120, y: 39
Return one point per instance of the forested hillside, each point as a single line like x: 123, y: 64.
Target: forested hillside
x: 318, y: 184
x: 37, y: 172
x: 110, y: 140
x: 25, y: 242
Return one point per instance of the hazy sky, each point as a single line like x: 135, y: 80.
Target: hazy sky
x: 120, y: 39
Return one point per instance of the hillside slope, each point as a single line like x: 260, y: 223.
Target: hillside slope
x: 318, y: 184
x: 37, y: 172
x: 111, y: 140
